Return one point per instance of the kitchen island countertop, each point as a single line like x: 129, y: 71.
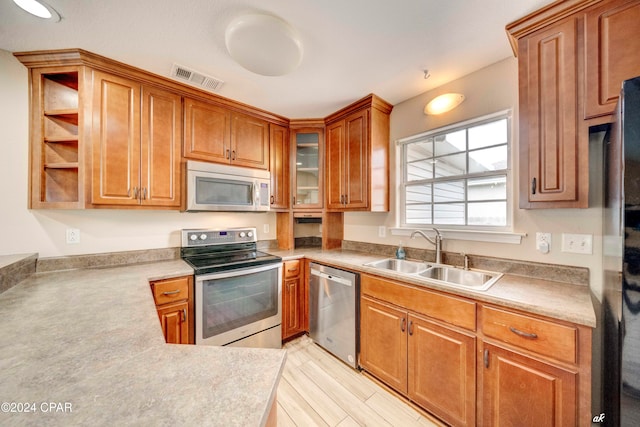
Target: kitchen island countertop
x: 85, y: 347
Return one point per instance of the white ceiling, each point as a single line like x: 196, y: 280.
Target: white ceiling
x: 351, y: 47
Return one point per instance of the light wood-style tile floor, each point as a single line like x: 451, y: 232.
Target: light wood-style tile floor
x: 317, y: 389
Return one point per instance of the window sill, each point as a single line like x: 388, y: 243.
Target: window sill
x: 473, y: 235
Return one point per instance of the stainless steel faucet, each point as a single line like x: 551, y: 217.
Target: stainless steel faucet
x: 437, y: 242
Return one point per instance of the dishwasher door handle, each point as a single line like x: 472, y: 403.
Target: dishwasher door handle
x: 337, y: 279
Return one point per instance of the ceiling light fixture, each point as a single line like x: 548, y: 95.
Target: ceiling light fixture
x: 39, y: 9
x: 264, y: 44
x: 443, y: 103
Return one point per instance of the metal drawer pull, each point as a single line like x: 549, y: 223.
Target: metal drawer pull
x: 403, y: 324
x: 177, y: 291
x: 527, y: 335
x: 291, y: 270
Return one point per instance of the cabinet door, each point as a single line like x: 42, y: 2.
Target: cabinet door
x: 160, y: 148
x: 356, y: 160
x: 249, y: 141
x: 175, y: 323
x: 292, y: 307
x: 335, y: 165
x: 115, y: 137
x: 551, y: 154
x: 383, y: 343
x: 520, y: 391
x: 307, y: 182
x: 279, y: 166
x: 612, y: 46
x: 442, y: 371
x: 207, y: 132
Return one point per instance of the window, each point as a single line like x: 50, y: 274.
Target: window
x: 459, y: 175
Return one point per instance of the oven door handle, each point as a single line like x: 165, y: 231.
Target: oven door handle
x: 239, y: 271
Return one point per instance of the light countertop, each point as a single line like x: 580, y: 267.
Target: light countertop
x: 89, y: 341
x: 557, y: 300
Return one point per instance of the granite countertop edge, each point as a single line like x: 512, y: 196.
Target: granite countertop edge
x: 556, y: 300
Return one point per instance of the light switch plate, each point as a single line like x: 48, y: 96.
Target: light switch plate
x: 577, y: 243
x: 382, y: 231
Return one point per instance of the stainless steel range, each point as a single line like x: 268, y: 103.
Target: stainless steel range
x: 237, y: 288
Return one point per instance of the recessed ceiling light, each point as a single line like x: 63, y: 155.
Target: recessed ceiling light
x: 39, y: 9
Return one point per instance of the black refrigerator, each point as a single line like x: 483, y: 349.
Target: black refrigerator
x: 621, y: 263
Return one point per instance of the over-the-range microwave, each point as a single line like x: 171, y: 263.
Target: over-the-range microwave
x: 217, y: 187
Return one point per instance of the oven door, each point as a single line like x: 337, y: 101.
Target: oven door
x: 236, y: 304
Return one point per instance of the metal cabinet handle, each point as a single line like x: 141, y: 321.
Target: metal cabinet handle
x: 346, y: 199
x: 135, y: 192
x: 177, y: 291
x: 533, y: 185
x: 144, y: 193
x: 403, y: 324
x: 294, y: 200
x: 184, y: 314
x: 485, y: 358
x: 227, y: 154
x: 528, y: 335
x: 273, y: 200
x: 411, y: 327
x: 233, y: 155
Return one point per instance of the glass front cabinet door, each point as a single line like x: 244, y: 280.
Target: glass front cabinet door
x: 308, y: 145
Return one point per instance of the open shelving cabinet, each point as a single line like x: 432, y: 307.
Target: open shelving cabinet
x: 57, y: 142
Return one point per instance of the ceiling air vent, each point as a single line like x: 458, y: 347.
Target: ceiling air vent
x: 195, y: 78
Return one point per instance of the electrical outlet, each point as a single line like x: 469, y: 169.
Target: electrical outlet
x: 577, y: 243
x: 382, y: 231
x: 73, y: 235
x: 543, y: 242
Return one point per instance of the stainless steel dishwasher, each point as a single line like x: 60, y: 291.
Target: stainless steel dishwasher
x: 334, y: 311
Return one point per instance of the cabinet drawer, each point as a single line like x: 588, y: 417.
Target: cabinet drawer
x: 438, y: 306
x: 541, y: 336
x: 170, y: 290
x: 291, y: 268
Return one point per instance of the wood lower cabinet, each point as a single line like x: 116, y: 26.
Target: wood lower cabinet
x: 521, y: 391
x: 214, y: 133
x: 294, y: 299
x: 174, y: 303
x: 383, y: 342
x: 432, y: 364
x: 136, y: 144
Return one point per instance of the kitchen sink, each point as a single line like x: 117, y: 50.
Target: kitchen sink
x: 443, y: 274
x: 400, y: 265
x: 472, y: 279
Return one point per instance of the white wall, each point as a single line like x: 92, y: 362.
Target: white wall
x: 44, y: 231
x: 490, y: 90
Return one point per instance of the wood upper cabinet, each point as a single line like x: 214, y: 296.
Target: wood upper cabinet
x: 357, y: 153
x: 174, y: 304
x: 136, y: 142
x: 294, y: 298
x: 553, y: 158
x: 216, y: 134
x: 307, y: 180
x: 612, y: 46
x: 279, y: 166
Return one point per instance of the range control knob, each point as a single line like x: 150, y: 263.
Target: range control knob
x: 250, y: 234
x: 203, y: 236
x: 193, y: 237
x: 242, y: 234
